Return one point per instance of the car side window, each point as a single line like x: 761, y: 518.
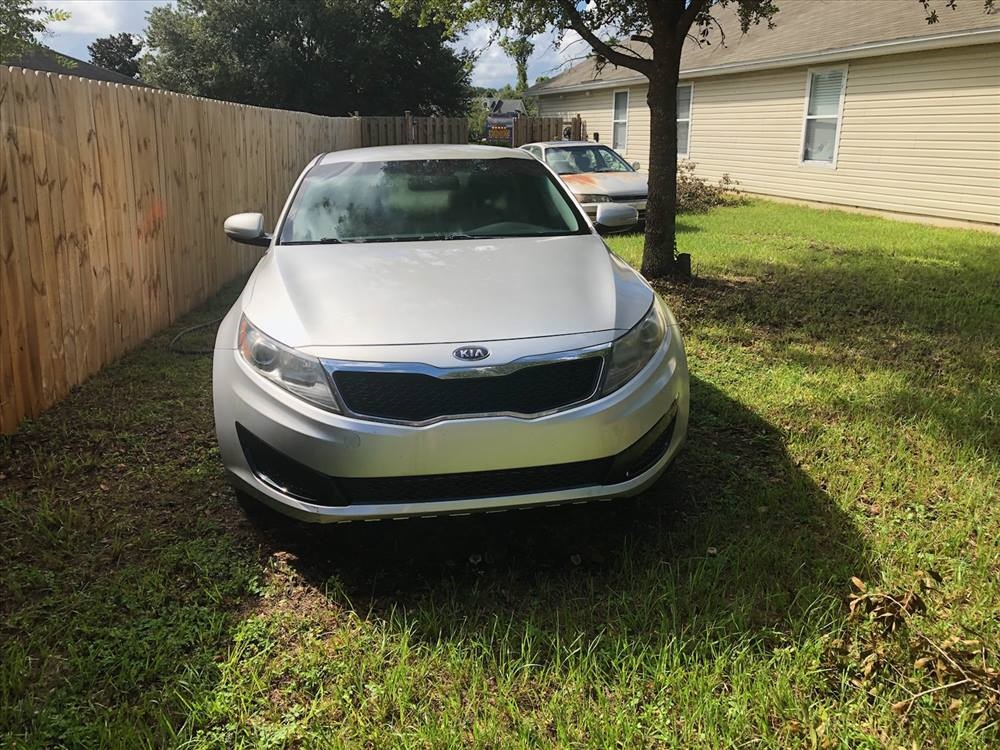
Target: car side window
x: 608, y: 161
x: 534, y: 151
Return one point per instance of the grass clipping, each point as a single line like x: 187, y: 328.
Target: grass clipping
x: 886, y: 645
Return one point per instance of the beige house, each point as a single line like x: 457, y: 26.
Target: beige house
x: 851, y: 103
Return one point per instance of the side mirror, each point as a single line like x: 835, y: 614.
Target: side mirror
x: 614, y: 218
x: 636, y: 166
x: 248, y: 229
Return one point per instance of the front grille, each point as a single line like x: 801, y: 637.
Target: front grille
x: 416, y: 397
x: 628, y: 198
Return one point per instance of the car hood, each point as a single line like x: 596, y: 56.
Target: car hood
x: 608, y: 183
x: 459, y: 291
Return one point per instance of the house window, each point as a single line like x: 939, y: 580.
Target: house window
x: 619, y: 121
x: 824, y: 106
x: 684, y: 120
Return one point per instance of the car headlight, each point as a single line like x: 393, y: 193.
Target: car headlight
x: 295, y: 372
x: 631, y: 352
x: 593, y: 198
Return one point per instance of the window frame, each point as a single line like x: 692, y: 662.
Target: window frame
x: 628, y: 104
x: 810, y: 72
x: 687, y: 146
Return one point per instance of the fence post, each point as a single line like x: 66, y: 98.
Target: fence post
x: 407, y: 127
x: 362, y: 139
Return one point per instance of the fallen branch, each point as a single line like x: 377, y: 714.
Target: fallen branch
x: 904, y: 706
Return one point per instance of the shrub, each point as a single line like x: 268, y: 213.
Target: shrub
x: 695, y: 195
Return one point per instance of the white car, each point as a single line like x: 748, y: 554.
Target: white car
x: 595, y: 173
x: 441, y: 329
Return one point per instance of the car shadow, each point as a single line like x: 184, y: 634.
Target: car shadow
x: 735, y: 540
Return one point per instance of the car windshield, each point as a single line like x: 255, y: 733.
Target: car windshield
x: 428, y: 199
x: 577, y: 159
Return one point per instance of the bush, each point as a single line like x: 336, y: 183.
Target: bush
x: 695, y: 196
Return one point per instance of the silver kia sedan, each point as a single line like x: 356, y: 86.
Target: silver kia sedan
x: 437, y: 330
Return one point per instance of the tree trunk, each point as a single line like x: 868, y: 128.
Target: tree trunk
x: 659, y: 255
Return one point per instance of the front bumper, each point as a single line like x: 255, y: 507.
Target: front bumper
x: 362, y: 469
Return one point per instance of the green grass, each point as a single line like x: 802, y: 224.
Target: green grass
x: 844, y: 424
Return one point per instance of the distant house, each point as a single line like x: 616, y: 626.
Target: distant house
x: 500, y: 116
x: 504, y: 106
x: 50, y: 61
x: 846, y: 103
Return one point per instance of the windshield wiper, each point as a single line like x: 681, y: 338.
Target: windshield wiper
x: 460, y: 236
x: 417, y: 238
x: 452, y: 236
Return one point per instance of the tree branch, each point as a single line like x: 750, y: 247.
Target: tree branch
x: 702, y: 38
x: 612, y: 55
x: 691, y: 12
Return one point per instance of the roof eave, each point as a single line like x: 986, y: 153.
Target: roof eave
x: 870, y: 49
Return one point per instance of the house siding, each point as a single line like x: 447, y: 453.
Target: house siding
x: 920, y: 132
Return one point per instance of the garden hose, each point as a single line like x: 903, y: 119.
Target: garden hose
x: 172, y: 346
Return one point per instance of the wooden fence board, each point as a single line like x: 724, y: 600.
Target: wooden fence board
x: 93, y: 236
x: 76, y: 284
x: 33, y: 178
x: 20, y: 378
x: 58, y: 173
x: 133, y: 302
x: 102, y: 101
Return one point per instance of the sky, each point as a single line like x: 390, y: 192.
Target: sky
x: 90, y: 19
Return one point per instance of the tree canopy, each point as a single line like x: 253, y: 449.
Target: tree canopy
x: 329, y: 57
x: 118, y: 52
x: 21, y: 23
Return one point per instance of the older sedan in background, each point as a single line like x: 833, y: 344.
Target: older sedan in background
x: 440, y: 329
x: 595, y: 173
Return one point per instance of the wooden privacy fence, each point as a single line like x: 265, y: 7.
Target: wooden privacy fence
x: 532, y: 129
x: 391, y: 131
x: 112, y: 200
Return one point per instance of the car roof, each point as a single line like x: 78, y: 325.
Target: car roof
x: 563, y: 144
x: 423, y: 151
